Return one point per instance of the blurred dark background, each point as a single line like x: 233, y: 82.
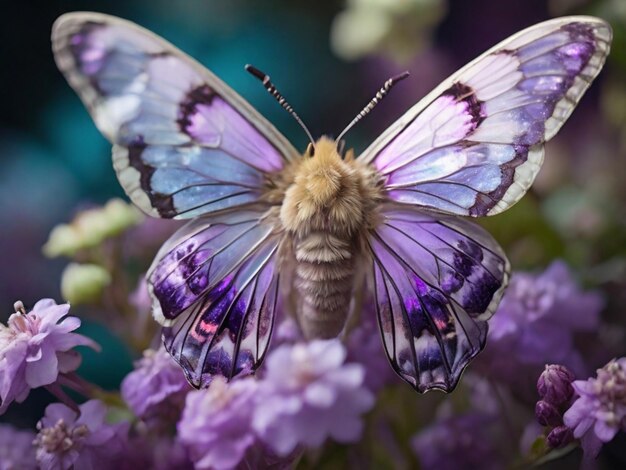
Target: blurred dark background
x: 328, y: 59
x: 53, y: 159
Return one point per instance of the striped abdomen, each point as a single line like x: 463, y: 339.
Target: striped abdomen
x: 324, y: 280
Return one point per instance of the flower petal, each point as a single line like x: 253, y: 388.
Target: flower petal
x: 43, y: 371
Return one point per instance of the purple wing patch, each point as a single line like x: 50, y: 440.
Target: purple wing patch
x: 215, y: 286
x: 477, y: 146
x: 437, y: 282
x: 185, y: 143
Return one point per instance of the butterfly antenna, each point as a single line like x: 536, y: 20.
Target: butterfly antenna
x: 385, y: 89
x: 269, y: 86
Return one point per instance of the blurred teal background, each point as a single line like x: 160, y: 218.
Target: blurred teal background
x: 328, y: 59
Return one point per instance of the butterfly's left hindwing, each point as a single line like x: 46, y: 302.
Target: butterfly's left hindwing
x: 437, y: 280
x: 185, y: 144
x: 215, y: 287
x: 475, y: 144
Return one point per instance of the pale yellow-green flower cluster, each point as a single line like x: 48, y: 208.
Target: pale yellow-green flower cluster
x: 397, y: 28
x: 91, y: 227
x: 84, y: 283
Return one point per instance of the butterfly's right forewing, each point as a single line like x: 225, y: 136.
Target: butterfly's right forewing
x: 476, y: 143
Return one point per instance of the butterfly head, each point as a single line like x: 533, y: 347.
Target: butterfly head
x: 328, y: 150
x: 339, y: 148
x: 326, y: 189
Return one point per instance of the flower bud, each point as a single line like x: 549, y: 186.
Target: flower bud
x: 560, y: 437
x: 83, y: 283
x: 555, y: 384
x: 547, y: 414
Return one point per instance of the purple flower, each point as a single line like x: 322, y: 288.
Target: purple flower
x: 555, y: 389
x: 555, y: 384
x: 157, y: 387
x: 365, y: 347
x: 600, y: 411
x: 547, y: 414
x: 309, y: 394
x: 36, y: 347
x: 559, y: 437
x: 216, y: 423
x: 155, y: 452
x: 287, y: 331
x: 536, y: 321
x: 260, y: 456
x: 142, y: 324
x: 69, y: 440
x: 16, y: 449
x: 170, y: 455
x: 461, y: 441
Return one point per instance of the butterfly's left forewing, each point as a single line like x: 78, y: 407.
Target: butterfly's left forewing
x: 437, y: 281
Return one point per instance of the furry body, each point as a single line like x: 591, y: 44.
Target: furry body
x: 329, y: 203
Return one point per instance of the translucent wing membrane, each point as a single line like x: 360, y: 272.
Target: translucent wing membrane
x: 215, y: 285
x: 185, y: 143
x: 474, y: 145
x: 437, y: 281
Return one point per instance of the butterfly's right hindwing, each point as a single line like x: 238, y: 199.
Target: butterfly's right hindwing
x: 185, y: 144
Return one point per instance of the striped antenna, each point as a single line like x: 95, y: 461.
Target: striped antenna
x: 269, y: 86
x: 389, y: 84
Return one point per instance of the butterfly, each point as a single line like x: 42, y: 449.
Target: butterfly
x: 271, y: 227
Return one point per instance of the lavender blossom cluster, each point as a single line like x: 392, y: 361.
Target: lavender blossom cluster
x: 322, y: 403
x: 537, y: 323
x: 307, y: 393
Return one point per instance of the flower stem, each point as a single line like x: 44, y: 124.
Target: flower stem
x: 56, y: 390
x: 75, y: 382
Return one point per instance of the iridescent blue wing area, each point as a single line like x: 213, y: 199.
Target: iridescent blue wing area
x: 437, y: 281
x: 214, y: 286
x: 185, y: 144
x: 475, y: 144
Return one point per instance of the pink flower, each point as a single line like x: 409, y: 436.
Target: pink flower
x: 36, y: 347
